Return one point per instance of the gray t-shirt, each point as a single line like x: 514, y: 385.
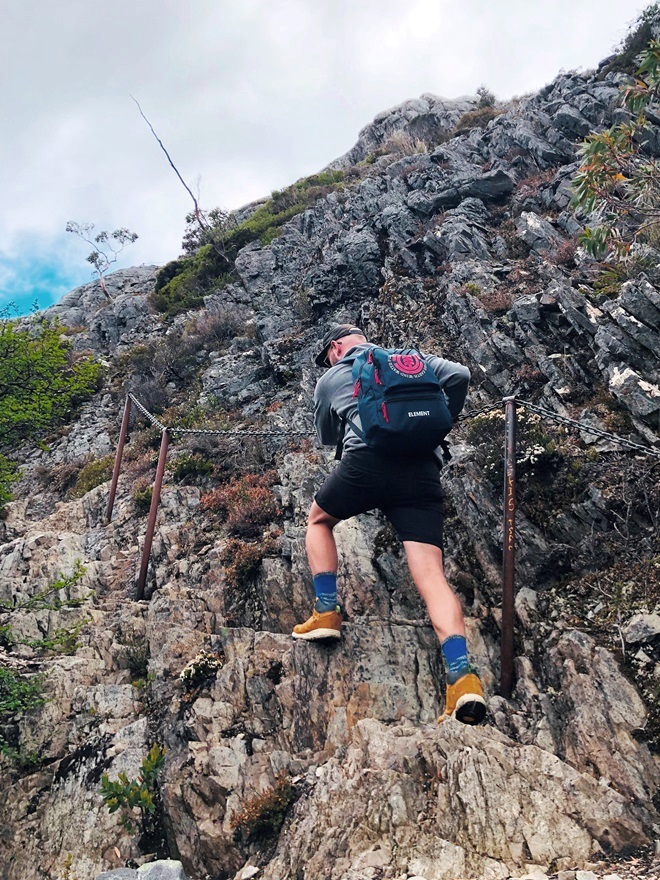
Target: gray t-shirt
x: 334, y: 401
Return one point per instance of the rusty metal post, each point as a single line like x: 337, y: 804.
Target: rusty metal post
x: 120, y: 451
x: 153, y: 510
x: 509, y: 546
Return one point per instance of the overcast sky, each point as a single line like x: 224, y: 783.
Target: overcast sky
x: 248, y: 96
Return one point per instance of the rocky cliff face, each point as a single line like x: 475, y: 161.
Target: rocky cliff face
x: 467, y: 250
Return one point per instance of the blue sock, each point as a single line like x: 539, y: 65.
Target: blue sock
x: 325, y: 587
x: 454, y: 652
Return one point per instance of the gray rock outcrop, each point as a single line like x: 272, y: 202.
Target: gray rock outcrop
x: 460, y: 250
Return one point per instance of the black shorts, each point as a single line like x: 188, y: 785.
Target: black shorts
x: 408, y: 492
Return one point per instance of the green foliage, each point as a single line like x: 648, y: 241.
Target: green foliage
x: 106, y: 246
x: 486, y: 97
x: 192, y: 467
x: 18, y: 693
x: 617, y: 180
x: 55, y: 597
x: 639, y: 36
x: 136, y: 657
x: 201, y: 670
x: 8, y: 475
x: 142, y: 500
x: 549, y: 478
x: 91, y: 475
x: 138, y: 799
x: 262, y: 817
x: 266, y: 221
x: 182, y: 284
x: 41, y: 380
x: 63, y: 640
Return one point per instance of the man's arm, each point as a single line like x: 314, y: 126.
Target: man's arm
x: 454, y: 380
x: 326, y: 420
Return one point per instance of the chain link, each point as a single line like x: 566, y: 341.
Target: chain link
x: 622, y: 441
x: 479, y: 412
x: 145, y: 412
x: 563, y: 420
x: 242, y: 433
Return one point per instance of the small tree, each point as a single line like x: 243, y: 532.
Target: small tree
x: 138, y: 799
x: 618, y: 180
x: 106, y: 246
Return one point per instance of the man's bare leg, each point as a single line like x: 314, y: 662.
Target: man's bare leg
x: 320, y: 542
x: 465, y: 698
x: 326, y: 619
x: 442, y: 604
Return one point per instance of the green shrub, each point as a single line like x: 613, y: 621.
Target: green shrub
x: 262, y: 817
x: 182, y: 284
x: 191, y: 467
x: 18, y: 692
x: 637, y: 38
x: 142, y: 500
x: 486, y: 97
x: 55, y: 597
x: 91, y: 475
x: 42, y: 380
x: 8, y: 475
x: 202, y: 670
x: 550, y: 478
x: 136, y: 657
x: 138, y: 799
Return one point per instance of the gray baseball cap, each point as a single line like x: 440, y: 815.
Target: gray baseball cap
x: 337, y: 331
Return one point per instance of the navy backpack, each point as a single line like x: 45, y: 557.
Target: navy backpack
x: 402, y: 408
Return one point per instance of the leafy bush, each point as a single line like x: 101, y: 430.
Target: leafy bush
x: 486, y: 97
x: 18, y: 694
x: 617, y: 180
x: 247, y: 503
x: 8, y: 475
x: 91, y: 475
x: 201, y: 670
x: 41, y: 380
x: 138, y: 799
x: 550, y: 478
x: 136, y: 657
x: 142, y: 499
x: 633, y: 43
x: 182, y: 284
x: 263, y: 815
x: 190, y: 467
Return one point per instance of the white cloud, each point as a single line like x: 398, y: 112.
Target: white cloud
x: 247, y: 96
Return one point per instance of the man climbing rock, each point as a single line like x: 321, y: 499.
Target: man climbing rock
x: 405, y: 487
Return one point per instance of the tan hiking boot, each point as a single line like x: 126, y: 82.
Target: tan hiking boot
x: 465, y: 700
x: 321, y: 625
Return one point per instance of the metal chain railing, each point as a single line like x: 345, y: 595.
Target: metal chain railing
x: 241, y: 432
x: 572, y: 423
x: 510, y: 404
x: 145, y: 412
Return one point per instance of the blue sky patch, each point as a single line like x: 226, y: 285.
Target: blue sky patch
x: 41, y: 274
